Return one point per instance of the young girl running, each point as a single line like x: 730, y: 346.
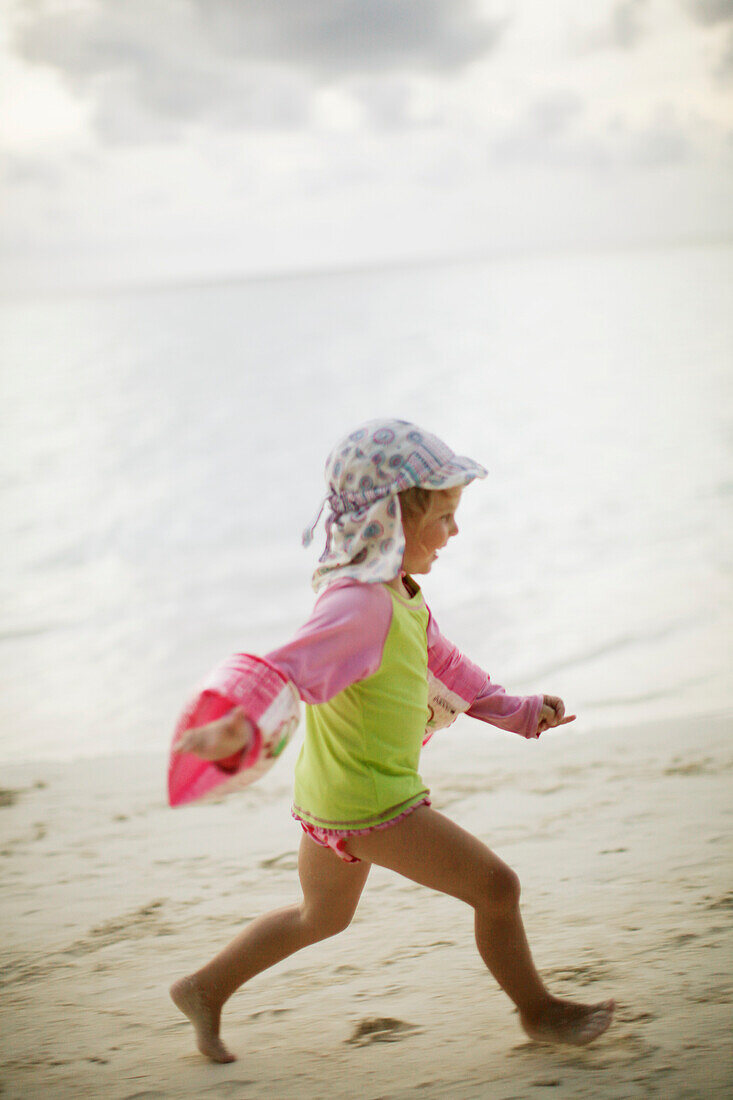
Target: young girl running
x: 373, y: 669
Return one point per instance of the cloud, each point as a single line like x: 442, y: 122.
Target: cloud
x: 387, y: 102
x: 18, y: 170
x: 555, y: 131
x: 625, y: 27
x: 725, y: 67
x: 350, y: 36
x: 150, y: 70
x: 663, y: 141
x: 543, y: 132
x: 717, y: 13
x: 711, y: 12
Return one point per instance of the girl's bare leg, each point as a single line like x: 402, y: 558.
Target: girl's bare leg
x: 432, y: 850
x: 331, y: 891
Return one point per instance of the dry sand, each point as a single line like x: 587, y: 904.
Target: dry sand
x: 623, y: 844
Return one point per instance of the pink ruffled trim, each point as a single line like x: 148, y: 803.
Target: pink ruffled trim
x: 335, y: 838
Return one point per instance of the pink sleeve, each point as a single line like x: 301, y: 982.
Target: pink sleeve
x: 342, y: 642
x: 486, y: 701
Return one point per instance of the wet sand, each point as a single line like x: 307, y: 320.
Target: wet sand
x: 622, y: 840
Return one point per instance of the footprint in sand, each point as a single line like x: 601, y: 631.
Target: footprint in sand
x: 10, y: 795
x: 382, y: 1029
x: 683, y: 938
x: 416, y: 951
x: 269, y: 1012
x: 629, y: 1017
x: 287, y: 861
x: 138, y: 924
x: 707, y: 766
x: 715, y: 995
x: 229, y: 1089
x: 724, y: 902
x: 39, y: 832
x: 584, y: 974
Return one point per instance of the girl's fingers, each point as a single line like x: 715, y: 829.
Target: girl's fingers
x: 194, y: 741
x: 187, y: 744
x: 197, y: 740
x: 555, y: 703
x: 546, y: 725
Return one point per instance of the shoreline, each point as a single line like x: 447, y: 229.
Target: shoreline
x: 622, y: 841
x: 629, y: 716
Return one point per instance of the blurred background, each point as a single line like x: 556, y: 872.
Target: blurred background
x: 231, y: 231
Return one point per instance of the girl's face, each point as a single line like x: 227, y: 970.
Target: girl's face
x: 428, y: 533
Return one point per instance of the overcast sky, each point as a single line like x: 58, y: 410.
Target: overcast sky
x: 149, y: 139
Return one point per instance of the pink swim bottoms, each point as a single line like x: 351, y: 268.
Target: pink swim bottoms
x: 336, y: 838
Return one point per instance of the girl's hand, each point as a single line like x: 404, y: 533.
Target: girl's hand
x: 552, y: 714
x: 218, y: 739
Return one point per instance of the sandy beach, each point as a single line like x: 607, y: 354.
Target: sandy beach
x: 622, y: 840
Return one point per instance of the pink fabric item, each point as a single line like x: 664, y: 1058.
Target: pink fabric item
x: 335, y: 838
x: 264, y: 693
x: 342, y: 643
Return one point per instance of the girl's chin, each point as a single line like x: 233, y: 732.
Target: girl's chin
x: 419, y: 568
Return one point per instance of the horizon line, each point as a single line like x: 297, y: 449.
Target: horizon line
x: 347, y: 269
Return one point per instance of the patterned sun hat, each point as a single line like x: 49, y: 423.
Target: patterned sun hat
x: 365, y: 471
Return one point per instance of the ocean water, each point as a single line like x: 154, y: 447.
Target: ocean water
x: 163, y: 450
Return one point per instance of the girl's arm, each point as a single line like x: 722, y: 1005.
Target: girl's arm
x: 341, y: 643
x: 469, y: 689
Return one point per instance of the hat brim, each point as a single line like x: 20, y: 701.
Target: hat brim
x: 454, y: 474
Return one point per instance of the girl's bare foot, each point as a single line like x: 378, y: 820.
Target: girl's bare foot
x: 190, y: 998
x: 567, y: 1022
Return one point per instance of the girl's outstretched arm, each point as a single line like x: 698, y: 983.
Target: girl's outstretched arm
x: 342, y: 642
x: 470, y: 689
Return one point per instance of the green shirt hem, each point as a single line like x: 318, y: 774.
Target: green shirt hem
x: 357, y: 824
